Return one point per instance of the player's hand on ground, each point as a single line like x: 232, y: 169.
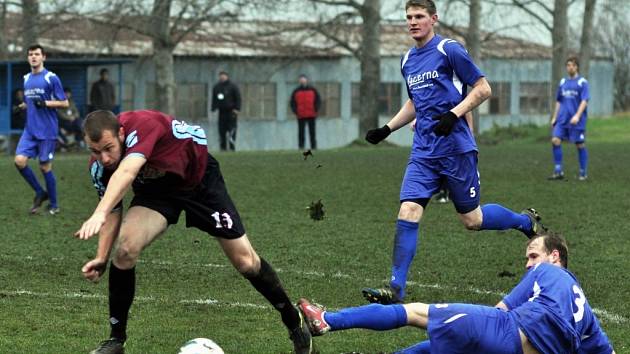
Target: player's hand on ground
x: 92, y: 226
x: 575, y: 120
x: 375, y: 136
x: 446, y: 123
x: 94, y: 269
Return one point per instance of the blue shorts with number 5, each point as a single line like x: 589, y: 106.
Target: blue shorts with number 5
x: 32, y: 147
x: 574, y: 135
x: 424, y: 177
x: 469, y: 329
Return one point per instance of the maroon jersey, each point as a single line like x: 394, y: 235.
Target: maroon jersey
x: 170, y: 146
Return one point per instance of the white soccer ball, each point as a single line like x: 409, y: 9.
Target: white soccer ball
x: 200, y: 346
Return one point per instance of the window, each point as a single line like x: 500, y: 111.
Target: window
x: 499, y: 103
x: 191, y: 101
x: 258, y: 101
x: 330, y: 95
x: 388, y: 99
x: 534, y: 98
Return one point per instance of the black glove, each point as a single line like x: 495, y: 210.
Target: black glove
x: 375, y: 136
x: 446, y: 123
x: 39, y: 103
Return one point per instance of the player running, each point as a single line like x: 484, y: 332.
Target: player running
x: 569, y: 119
x: 437, y: 71
x: 43, y: 94
x: 166, y: 163
x: 546, y: 312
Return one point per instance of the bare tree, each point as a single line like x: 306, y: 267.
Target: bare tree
x: 30, y: 22
x: 473, y: 36
x: 3, y: 41
x: 585, y: 41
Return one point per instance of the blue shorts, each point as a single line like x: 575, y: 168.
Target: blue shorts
x: 424, y: 177
x: 31, y: 147
x: 468, y: 329
x: 574, y: 135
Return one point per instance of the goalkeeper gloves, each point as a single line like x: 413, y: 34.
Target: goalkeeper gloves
x: 39, y: 103
x: 375, y: 136
x: 446, y: 123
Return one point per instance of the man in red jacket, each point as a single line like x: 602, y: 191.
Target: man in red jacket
x: 305, y: 103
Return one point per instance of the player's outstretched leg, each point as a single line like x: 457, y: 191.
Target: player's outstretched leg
x: 267, y: 283
x: 419, y: 348
x: 122, y: 287
x: 497, y: 217
x: 374, y: 316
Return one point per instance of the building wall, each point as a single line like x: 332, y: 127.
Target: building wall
x: 280, y: 132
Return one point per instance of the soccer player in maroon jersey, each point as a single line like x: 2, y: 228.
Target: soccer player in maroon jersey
x: 167, y: 164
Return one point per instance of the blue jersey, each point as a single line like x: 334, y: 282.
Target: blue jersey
x: 41, y: 123
x: 571, y: 92
x: 550, y: 308
x: 437, y: 76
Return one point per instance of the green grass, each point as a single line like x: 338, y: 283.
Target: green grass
x: 46, y: 306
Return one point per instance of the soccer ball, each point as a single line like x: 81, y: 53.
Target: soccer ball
x: 200, y: 346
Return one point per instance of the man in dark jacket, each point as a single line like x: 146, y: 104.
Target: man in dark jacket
x: 102, y: 93
x: 226, y: 97
x: 305, y: 103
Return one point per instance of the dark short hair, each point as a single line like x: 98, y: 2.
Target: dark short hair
x: 224, y: 73
x: 99, y: 121
x: 67, y: 89
x: 303, y: 76
x: 428, y: 5
x: 554, y: 241
x: 104, y: 71
x: 35, y: 47
x: 573, y: 59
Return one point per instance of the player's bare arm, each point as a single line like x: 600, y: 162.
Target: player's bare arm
x: 480, y: 92
x: 554, y: 117
x: 406, y: 114
x: 94, y: 269
x: 118, y: 185
x: 576, y: 117
x: 57, y: 104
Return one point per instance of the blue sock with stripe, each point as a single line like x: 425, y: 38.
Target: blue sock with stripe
x: 374, y: 316
x: 420, y: 348
x: 30, y: 178
x: 405, y: 244
x: 497, y: 217
x: 557, y: 158
x: 51, y: 188
x: 583, y: 159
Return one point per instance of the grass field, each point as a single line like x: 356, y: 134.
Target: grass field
x: 186, y: 287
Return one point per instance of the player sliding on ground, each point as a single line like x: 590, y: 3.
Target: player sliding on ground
x: 166, y: 163
x: 546, y: 312
x: 437, y: 71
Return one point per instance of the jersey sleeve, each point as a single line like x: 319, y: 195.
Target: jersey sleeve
x: 57, y: 89
x: 462, y: 63
x: 559, y: 91
x: 596, y: 343
x: 141, y: 137
x: 584, y: 92
x: 522, y: 291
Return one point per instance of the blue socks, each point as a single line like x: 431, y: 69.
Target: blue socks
x: 420, y: 348
x: 557, y: 158
x: 405, y: 245
x: 51, y: 188
x: 583, y: 158
x: 30, y: 178
x: 374, y: 316
x: 497, y: 217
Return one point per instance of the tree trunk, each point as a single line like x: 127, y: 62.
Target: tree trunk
x: 559, y: 36
x: 473, y: 44
x: 370, y: 58
x: 3, y: 40
x: 30, y: 23
x: 163, y: 56
x: 585, y: 41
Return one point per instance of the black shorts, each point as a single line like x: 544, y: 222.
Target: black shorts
x: 208, y: 206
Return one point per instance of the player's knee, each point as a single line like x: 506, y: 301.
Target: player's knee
x: 45, y: 167
x: 248, y: 266
x: 410, y: 212
x: 556, y: 141
x: 472, y: 224
x: 126, y: 255
x: 20, y: 162
x: 580, y: 145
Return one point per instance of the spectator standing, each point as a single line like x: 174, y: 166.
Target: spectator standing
x: 226, y: 98
x: 18, y: 115
x: 305, y: 103
x: 102, y: 93
x: 70, y: 120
